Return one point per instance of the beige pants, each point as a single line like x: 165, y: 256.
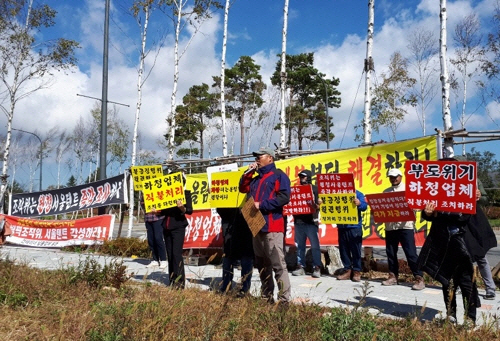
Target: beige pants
x: 269, y: 257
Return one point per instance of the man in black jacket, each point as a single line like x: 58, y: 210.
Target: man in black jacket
x: 306, y: 227
x: 237, y: 246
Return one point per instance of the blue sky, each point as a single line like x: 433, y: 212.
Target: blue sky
x: 334, y: 30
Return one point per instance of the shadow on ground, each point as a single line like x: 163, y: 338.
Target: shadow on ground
x: 395, y: 309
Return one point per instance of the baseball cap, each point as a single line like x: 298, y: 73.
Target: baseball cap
x: 305, y: 172
x: 263, y: 151
x: 394, y: 172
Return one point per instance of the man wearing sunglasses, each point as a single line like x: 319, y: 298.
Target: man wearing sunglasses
x: 270, y: 189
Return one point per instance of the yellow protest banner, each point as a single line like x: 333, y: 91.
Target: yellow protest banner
x: 143, y: 173
x: 198, y: 185
x: 224, y: 190
x: 337, y: 192
x: 163, y: 192
x: 368, y: 164
x: 338, y: 209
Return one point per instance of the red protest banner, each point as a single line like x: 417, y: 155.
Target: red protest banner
x: 301, y: 199
x: 59, y: 233
x: 390, y: 207
x: 451, y: 185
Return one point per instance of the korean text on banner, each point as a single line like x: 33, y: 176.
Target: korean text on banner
x: 200, y: 194
x: 337, y: 193
x: 301, y: 200
x: 368, y: 164
x: 60, y: 233
x: 144, y: 173
x: 390, y: 207
x: 163, y: 192
x: 95, y: 194
x: 224, y: 190
x: 451, y: 185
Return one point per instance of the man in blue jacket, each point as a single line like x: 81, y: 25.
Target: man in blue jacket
x: 350, y: 240
x: 270, y: 190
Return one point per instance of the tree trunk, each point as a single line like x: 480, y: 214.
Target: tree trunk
x: 222, y: 79
x: 137, y: 113
x: 283, y: 78
x: 464, y: 103
x: 367, y: 128
x: 445, y: 82
x: 202, y: 140
x: 171, y: 136
x: 10, y: 116
x: 242, y: 129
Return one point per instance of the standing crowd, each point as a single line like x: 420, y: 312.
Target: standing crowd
x: 454, y: 243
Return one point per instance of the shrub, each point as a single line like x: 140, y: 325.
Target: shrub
x: 96, y: 275
x: 120, y: 247
x: 343, y: 324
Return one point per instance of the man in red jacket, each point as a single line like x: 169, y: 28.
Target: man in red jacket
x: 270, y: 190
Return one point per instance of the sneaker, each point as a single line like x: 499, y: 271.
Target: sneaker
x: 316, y: 272
x: 153, y: 264
x: 344, y: 276
x: 392, y: 280
x: 419, y: 283
x: 489, y: 296
x: 356, y: 276
x: 298, y: 272
x: 163, y: 264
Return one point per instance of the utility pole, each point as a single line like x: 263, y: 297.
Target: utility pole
x: 104, y: 99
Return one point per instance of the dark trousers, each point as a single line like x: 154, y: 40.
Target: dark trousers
x: 302, y: 232
x: 228, y: 273
x: 156, y: 243
x: 350, y: 240
x: 407, y: 240
x: 462, y: 278
x: 174, y: 241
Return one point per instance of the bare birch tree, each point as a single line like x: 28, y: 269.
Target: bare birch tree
x: 445, y: 82
x: 27, y: 61
x: 15, y: 157
x: 222, y: 79
x: 182, y: 16
x: 61, y: 147
x: 283, y: 76
x: 80, y: 148
x: 369, y: 68
x: 469, y: 54
x: 423, y: 48
x: 141, y: 11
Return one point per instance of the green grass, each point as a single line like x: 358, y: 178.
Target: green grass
x: 495, y: 223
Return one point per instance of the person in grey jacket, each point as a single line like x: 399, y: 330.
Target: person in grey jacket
x: 401, y: 233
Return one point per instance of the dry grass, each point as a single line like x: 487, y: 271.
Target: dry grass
x: 120, y: 247
x: 68, y: 305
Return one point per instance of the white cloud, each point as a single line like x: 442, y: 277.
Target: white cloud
x: 344, y: 59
